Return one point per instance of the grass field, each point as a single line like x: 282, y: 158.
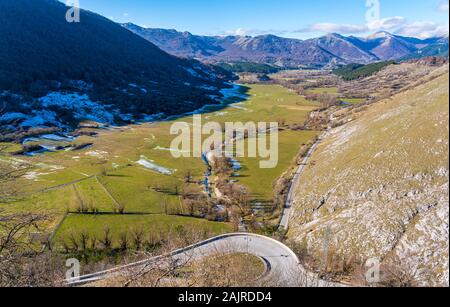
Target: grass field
x: 260, y: 181
x: 354, y: 100
x: 324, y: 90
x: 107, y: 175
x: 151, y: 224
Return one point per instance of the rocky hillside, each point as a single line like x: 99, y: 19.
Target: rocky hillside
x: 377, y: 187
x: 329, y: 50
x: 393, y: 79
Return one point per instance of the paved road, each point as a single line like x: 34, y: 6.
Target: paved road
x: 282, y: 265
x: 284, y: 224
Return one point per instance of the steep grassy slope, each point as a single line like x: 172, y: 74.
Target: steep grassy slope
x: 390, y: 80
x: 378, y: 186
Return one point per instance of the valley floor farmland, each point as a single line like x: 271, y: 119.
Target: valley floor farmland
x: 128, y: 178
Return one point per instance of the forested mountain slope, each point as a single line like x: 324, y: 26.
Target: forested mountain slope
x: 41, y: 53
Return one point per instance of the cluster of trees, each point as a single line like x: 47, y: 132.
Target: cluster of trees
x: 357, y: 71
x: 22, y: 262
x: 332, y: 265
x: 195, y: 201
x: 326, y: 100
x: 249, y: 67
x: 234, y: 197
x: 83, y: 242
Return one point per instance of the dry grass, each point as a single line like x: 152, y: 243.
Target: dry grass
x: 378, y: 186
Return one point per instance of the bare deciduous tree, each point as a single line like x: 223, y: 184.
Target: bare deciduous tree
x: 22, y: 262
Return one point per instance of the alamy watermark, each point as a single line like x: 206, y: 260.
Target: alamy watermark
x: 231, y: 139
x: 373, y: 13
x: 373, y: 273
x: 73, y: 11
x: 73, y: 272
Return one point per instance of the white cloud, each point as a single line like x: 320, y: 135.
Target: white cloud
x: 238, y: 32
x: 334, y: 28
x: 423, y: 29
x: 386, y: 24
x: 443, y: 6
x: 398, y: 25
x: 252, y: 32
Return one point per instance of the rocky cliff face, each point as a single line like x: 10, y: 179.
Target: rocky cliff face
x: 378, y: 186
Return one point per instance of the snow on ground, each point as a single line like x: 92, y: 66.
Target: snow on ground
x: 207, y: 88
x: 43, y: 115
x: 192, y: 72
x: 49, y: 137
x: 12, y: 116
x: 41, y: 118
x: 171, y: 149
x: 151, y: 165
x: 81, y: 105
x: 96, y: 154
x: 50, y: 166
x: 154, y: 117
x: 34, y: 176
x: 236, y: 106
x: 47, y: 168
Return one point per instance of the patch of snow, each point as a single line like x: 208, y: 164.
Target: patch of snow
x: 57, y: 138
x: 379, y: 154
x: 207, y: 88
x: 171, y: 149
x: 154, y: 117
x: 41, y: 118
x: 126, y: 117
x: 12, y: 116
x: 34, y: 175
x: 50, y: 166
x: 81, y: 105
x: 235, y: 106
x: 192, y: 72
x: 96, y: 154
x: 154, y: 167
x: 31, y: 175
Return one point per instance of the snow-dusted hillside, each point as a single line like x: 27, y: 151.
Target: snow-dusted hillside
x: 55, y: 73
x: 378, y: 188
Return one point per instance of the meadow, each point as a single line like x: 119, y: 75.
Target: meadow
x: 107, y: 176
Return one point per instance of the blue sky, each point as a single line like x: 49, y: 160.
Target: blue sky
x: 288, y: 18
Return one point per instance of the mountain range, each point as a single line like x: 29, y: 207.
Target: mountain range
x: 330, y: 50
